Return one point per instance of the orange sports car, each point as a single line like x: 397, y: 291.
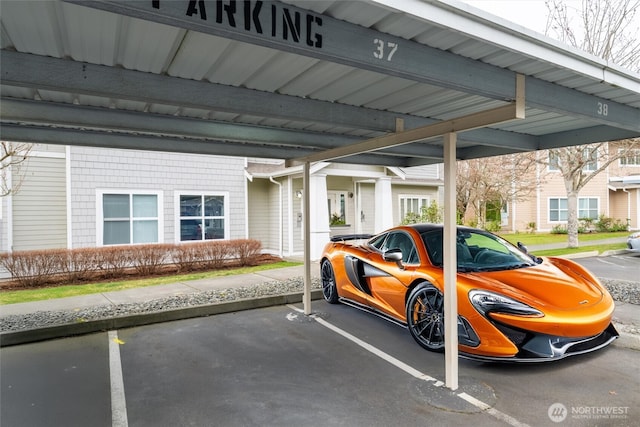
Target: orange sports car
x: 512, y: 306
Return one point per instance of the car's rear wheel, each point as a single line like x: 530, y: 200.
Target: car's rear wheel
x: 425, y: 316
x: 329, y: 288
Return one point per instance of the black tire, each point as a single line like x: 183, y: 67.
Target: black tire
x: 329, y: 288
x: 425, y: 316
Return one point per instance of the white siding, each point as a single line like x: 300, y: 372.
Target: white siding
x: 263, y: 213
x: 39, y: 206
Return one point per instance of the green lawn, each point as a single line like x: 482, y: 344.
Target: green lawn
x: 545, y: 238
x: 28, y: 295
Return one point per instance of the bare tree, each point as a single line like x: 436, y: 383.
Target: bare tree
x: 604, y: 28
x: 12, y: 156
x: 495, y: 180
x: 579, y: 165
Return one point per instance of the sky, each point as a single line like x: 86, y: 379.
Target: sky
x: 531, y: 14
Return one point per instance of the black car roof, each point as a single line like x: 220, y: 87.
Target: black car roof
x: 421, y: 228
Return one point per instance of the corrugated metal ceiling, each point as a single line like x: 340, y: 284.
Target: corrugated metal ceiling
x: 89, y: 35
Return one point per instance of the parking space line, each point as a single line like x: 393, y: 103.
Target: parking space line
x: 118, y: 402
x: 414, y: 372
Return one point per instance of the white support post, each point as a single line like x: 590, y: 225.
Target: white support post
x: 450, y: 264
x: 306, y: 200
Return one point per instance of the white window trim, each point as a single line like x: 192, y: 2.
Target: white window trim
x: 176, y: 210
x: 550, y: 221
x: 100, y: 213
x: 589, y: 197
x: 636, y: 153
x: 403, y: 197
x: 335, y: 195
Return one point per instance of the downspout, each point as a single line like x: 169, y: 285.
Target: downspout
x: 280, y: 242
x: 628, y: 207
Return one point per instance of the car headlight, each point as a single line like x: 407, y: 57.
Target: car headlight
x: 634, y: 236
x: 489, y: 302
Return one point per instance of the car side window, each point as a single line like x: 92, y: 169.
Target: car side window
x: 404, y: 242
x: 378, y: 242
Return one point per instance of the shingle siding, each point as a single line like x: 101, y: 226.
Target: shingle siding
x: 95, y: 169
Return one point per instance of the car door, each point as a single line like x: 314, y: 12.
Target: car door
x: 388, y: 289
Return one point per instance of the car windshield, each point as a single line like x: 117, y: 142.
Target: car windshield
x: 477, y: 250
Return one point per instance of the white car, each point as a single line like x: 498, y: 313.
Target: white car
x: 633, y: 241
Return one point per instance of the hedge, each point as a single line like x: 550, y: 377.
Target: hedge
x: 41, y: 267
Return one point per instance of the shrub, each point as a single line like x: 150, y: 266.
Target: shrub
x: 559, y: 229
x: 147, y: 259
x: 31, y: 268
x: 78, y: 264
x: 246, y: 251
x: 493, y: 226
x: 186, y: 257
x: 37, y: 268
x: 216, y: 253
x: 114, y: 260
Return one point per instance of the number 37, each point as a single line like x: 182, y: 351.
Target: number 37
x: 384, y: 50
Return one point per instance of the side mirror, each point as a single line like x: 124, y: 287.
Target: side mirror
x: 524, y: 249
x: 394, y: 255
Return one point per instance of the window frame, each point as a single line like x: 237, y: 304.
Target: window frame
x: 179, y: 217
x: 334, y: 196
x: 423, y: 201
x: 597, y: 209
x: 591, y: 165
x: 562, y: 221
x: 623, y: 161
x: 100, y: 219
x: 566, y: 210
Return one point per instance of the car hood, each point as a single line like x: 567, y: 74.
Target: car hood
x: 545, y: 284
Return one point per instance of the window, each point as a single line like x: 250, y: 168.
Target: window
x: 632, y: 158
x: 128, y: 218
x: 554, y: 161
x: 202, y: 216
x: 397, y: 240
x: 557, y: 209
x: 412, y: 204
x: 588, y: 207
x: 337, y: 205
x: 589, y: 155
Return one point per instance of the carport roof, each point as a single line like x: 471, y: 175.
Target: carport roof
x: 292, y: 79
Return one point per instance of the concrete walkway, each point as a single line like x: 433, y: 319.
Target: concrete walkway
x: 139, y: 295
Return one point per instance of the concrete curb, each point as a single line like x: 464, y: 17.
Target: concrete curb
x: 628, y: 340
x: 580, y: 255
x: 133, y: 320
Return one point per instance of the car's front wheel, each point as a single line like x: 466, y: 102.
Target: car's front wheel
x: 329, y: 288
x: 425, y: 316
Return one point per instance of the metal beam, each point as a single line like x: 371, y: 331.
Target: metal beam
x: 323, y: 37
x: 272, y: 24
x: 552, y: 97
x: 584, y: 136
x: 105, y: 139
x: 496, y: 115
x: 63, y: 75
